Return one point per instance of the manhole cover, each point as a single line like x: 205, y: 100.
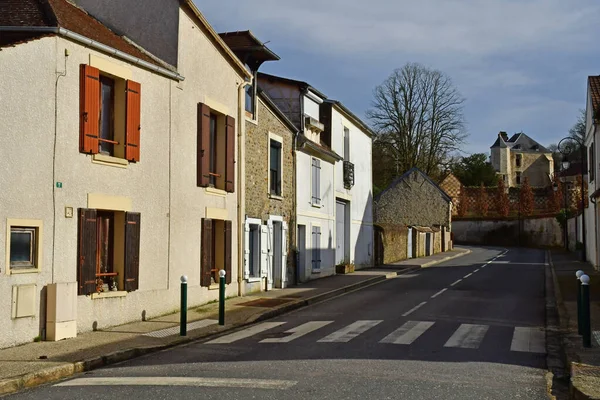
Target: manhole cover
x: 266, y: 302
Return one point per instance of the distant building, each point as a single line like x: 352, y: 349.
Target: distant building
x: 519, y: 157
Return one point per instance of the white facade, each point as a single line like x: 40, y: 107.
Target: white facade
x: 354, y: 143
x: 591, y: 213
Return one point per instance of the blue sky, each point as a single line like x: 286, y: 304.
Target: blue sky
x: 522, y: 65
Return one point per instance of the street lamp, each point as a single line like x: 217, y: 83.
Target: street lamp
x: 566, y: 147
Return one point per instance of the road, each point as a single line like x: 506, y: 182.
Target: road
x: 471, y: 328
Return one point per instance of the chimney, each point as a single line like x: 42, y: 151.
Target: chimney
x: 503, y: 135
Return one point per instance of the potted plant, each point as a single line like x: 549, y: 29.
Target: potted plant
x: 344, y: 267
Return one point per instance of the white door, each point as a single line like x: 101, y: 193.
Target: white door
x: 270, y: 255
x: 340, y: 232
x: 264, y: 256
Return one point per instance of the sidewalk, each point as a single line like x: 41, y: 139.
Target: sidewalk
x: 34, y: 364
x: 583, y: 364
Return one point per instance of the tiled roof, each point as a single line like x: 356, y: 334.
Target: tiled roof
x: 62, y: 13
x: 520, y: 142
x: 594, y: 82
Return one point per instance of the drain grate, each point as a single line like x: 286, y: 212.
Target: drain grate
x: 267, y: 303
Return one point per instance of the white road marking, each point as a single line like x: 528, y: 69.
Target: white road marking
x: 407, y: 333
x: 456, y: 283
x: 414, y: 309
x: 349, y: 332
x: 253, y: 330
x: 438, y: 293
x: 298, y: 331
x: 477, y: 270
x: 175, y: 330
x: 501, y: 262
x: 530, y: 340
x: 467, y: 336
x: 466, y: 276
x: 181, y: 381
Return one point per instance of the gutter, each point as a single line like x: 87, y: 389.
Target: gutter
x: 241, y: 182
x: 97, y: 46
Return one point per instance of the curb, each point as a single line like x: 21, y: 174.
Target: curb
x: 59, y: 372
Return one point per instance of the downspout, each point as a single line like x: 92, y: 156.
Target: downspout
x: 241, y: 173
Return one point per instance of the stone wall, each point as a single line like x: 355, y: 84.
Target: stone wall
x: 451, y: 185
x: 535, y: 166
x: 259, y: 203
x: 391, y: 243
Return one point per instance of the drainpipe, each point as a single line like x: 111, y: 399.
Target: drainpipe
x: 241, y: 173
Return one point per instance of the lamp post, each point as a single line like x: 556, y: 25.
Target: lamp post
x: 565, y: 147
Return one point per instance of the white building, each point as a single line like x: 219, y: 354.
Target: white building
x: 591, y: 213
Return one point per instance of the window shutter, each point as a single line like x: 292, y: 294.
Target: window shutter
x: 314, y: 183
x: 133, y: 121
x: 247, y: 250
x: 89, y: 109
x: 203, y: 149
x: 284, y: 250
x: 86, y: 252
x: 132, y: 251
x: 227, y: 252
x: 206, y: 244
x: 318, y: 184
x: 318, y: 229
x: 230, y: 154
x: 264, y: 251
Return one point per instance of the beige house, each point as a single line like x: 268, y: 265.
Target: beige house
x: 519, y: 157
x: 119, y: 175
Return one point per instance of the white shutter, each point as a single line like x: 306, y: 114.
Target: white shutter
x: 270, y: 251
x: 246, y: 250
x: 264, y: 250
x: 284, y: 252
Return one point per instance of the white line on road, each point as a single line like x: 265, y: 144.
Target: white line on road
x: 438, y: 293
x: 349, y: 332
x: 466, y: 276
x: 531, y: 340
x: 406, y: 314
x: 467, y: 336
x: 477, y: 270
x: 407, y: 333
x: 181, y: 381
x: 298, y: 331
x: 456, y: 283
x: 253, y: 330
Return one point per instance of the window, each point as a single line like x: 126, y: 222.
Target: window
x: 316, y: 182
x: 346, y: 144
x: 110, y: 110
x: 592, y: 162
x: 108, y: 251
x: 23, y: 245
x: 250, y: 100
x: 275, y: 167
x: 216, y: 149
x: 518, y: 160
x: 215, y: 251
x: 316, y: 248
x: 518, y: 180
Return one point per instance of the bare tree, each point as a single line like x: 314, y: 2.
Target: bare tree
x: 417, y: 114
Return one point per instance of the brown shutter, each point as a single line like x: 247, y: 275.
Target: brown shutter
x: 86, y: 252
x: 227, y: 252
x: 230, y: 154
x: 203, y: 150
x: 206, y: 251
x: 89, y: 109
x: 132, y: 251
x: 133, y: 121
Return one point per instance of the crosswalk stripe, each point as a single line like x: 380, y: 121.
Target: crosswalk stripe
x: 407, y: 333
x: 253, y: 330
x: 298, y: 331
x: 467, y: 336
x: 530, y: 340
x: 350, y: 332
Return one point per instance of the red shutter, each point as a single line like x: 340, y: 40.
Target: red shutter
x: 203, y: 150
x: 206, y: 251
x: 230, y: 154
x: 86, y: 252
x: 132, y: 251
x: 89, y: 109
x: 227, y: 252
x: 133, y: 121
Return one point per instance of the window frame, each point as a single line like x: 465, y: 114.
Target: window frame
x: 346, y: 143
x: 315, y: 198
x: 279, y: 140
x: 110, y: 141
x: 28, y: 224
x: 519, y: 160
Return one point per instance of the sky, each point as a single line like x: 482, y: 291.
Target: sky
x: 521, y: 65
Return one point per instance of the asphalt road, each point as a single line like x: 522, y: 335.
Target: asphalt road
x: 471, y: 328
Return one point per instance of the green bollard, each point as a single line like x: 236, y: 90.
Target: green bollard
x: 579, y: 274
x: 183, y: 319
x: 585, y: 311
x: 222, y: 274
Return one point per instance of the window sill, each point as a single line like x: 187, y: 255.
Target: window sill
x: 214, y: 286
x: 254, y: 280
x: 275, y: 197
x: 108, y: 295
x: 316, y: 271
x: 251, y: 120
x: 110, y: 161
x: 316, y: 205
x: 17, y: 271
x: 215, y: 192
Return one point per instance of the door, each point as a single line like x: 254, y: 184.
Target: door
x: 428, y: 244
x: 301, y: 268
x: 270, y: 249
x: 409, y: 250
x: 277, y: 254
x: 340, y: 232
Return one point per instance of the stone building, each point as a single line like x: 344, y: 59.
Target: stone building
x: 520, y: 157
x: 414, y: 201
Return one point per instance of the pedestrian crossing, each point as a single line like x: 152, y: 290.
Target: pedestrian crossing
x: 464, y: 336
